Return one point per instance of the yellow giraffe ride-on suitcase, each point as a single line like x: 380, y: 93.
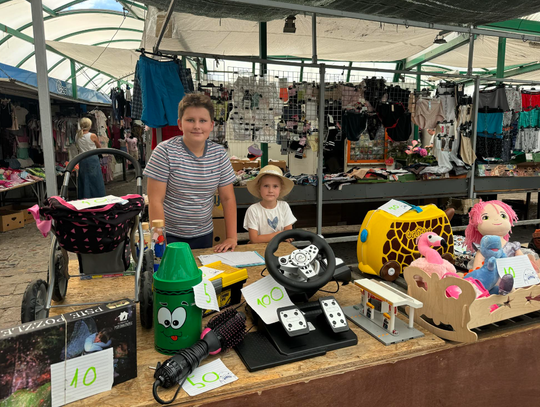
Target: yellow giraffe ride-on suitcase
x: 387, y: 244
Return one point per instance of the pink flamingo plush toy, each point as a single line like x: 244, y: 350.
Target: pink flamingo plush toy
x: 432, y: 262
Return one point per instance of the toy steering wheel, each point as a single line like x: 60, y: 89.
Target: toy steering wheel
x: 300, y: 269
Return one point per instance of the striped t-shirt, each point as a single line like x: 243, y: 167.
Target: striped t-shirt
x: 191, y: 184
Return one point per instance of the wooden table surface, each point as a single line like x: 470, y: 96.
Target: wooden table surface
x: 138, y: 392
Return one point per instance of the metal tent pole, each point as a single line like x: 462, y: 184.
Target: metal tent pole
x: 474, y: 129
x: 43, y: 96
x: 314, y: 38
x: 263, y: 54
x: 471, y: 54
x: 73, y: 79
x: 320, y: 175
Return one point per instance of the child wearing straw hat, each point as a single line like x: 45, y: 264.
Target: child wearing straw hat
x: 267, y: 218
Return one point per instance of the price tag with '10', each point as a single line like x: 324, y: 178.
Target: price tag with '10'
x: 205, y: 295
x: 208, y: 377
x: 395, y: 208
x: 81, y: 377
x: 265, y: 297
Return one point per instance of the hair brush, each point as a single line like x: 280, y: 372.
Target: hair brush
x: 224, y: 331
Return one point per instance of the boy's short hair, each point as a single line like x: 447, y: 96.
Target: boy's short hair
x: 195, y: 100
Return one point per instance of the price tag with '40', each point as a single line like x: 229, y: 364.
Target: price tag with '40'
x: 205, y: 295
x: 265, y: 297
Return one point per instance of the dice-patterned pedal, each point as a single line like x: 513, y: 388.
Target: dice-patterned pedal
x: 293, y: 320
x: 334, y: 314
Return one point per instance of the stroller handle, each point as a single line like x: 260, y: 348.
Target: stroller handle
x: 112, y: 151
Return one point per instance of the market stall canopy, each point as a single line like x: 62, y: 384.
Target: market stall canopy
x: 485, y: 53
x: 75, y: 22
x: 119, y: 63
x: 23, y: 83
x: 462, y: 12
x: 342, y: 39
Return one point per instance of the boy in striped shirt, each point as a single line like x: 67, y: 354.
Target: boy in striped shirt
x: 183, y: 175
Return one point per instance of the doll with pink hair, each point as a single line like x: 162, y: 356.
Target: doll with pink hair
x: 491, y: 218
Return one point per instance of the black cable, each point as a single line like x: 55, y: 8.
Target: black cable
x: 331, y: 292
x: 171, y: 370
x: 263, y: 270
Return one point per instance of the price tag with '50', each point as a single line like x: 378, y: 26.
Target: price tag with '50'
x: 205, y: 295
x: 208, y: 377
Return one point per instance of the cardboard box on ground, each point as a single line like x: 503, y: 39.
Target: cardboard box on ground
x: 14, y: 216
x: 27, y: 351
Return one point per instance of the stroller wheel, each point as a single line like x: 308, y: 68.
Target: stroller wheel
x: 146, y: 305
x: 34, y: 302
x: 148, y: 260
x: 61, y: 262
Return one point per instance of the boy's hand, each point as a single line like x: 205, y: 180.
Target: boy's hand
x: 229, y: 243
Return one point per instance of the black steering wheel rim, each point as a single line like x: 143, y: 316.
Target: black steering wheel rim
x: 272, y: 262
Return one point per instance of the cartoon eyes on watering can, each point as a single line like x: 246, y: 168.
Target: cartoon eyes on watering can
x: 175, y: 320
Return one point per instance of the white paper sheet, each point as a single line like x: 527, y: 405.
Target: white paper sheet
x: 235, y: 259
x: 521, y: 268
x: 265, y: 297
x: 209, y: 272
x: 208, y: 377
x: 205, y: 295
x: 395, y: 208
x: 81, y: 377
x: 93, y: 202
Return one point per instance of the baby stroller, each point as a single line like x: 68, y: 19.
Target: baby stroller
x: 102, y: 237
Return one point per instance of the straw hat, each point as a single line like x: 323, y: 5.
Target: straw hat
x: 253, y: 185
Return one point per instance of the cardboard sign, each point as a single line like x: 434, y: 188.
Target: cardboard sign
x: 208, y: 377
x: 82, y: 377
x: 265, y: 297
x: 205, y: 295
x: 395, y: 208
x: 93, y: 202
x: 520, y: 268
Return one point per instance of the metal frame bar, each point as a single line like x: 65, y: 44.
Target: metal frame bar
x: 322, y: 125
x: 435, y: 52
x: 476, y: 98
x: 407, y: 23
x: 164, y: 26
x: 311, y: 65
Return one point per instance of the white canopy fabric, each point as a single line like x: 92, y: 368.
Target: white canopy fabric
x: 117, y: 62
x: 72, y: 22
x: 485, y: 54
x: 342, y: 39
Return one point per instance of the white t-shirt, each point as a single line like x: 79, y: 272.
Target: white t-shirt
x: 266, y: 221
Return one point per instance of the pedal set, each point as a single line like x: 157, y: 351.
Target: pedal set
x: 334, y: 314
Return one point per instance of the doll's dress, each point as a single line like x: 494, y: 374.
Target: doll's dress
x: 510, y: 248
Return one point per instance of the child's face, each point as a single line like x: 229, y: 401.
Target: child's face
x: 495, y: 221
x: 196, y: 124
x: 270, y: 188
